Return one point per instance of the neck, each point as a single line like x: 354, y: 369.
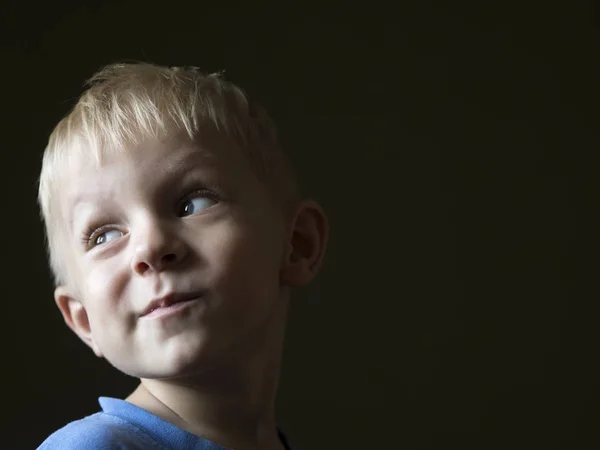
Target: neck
x: 232, y: 404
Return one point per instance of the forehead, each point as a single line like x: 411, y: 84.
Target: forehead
x: 148, y: 159
x: 85, y: 178
x: 166, y: 152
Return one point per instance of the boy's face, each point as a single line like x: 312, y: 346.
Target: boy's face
x: 168, y: 222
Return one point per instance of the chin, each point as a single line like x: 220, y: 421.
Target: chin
x: 175, y: 361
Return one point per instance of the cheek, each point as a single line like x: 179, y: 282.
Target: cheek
x: 104, y: 285
x: 245, y: 264
x: 109, y: 319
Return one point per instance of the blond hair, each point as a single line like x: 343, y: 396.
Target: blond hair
x: 127, y: 103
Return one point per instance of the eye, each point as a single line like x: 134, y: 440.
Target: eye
x: 195, y: 203
x: 104, y: 237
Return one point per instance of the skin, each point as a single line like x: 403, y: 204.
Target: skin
x: 179, y: 216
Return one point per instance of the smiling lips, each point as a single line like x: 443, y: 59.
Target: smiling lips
x: 169, y: 303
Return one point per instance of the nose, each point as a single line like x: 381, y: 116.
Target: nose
x: 157, y: 248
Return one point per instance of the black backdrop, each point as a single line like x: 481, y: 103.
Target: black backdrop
x: 453, y: 148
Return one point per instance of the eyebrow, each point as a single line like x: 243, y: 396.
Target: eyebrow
x: 177, y: 165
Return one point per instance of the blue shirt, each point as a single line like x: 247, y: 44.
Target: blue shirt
x: 124, y: 426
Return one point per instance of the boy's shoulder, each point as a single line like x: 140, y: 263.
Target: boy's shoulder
x: 100, y: 431
x: 123, y: 426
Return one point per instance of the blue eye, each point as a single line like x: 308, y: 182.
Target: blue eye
x: 106, y: 237
x: 195, y: 204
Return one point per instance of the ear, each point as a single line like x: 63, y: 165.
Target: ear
x: 76, y: 316
x: 307, y: 242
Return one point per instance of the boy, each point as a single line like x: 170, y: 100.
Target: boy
x: 175, y: 233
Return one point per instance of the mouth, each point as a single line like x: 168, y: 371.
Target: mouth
x: 169, y: 303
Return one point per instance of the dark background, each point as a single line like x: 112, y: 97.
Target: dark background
x: 453, y: 146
